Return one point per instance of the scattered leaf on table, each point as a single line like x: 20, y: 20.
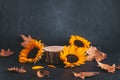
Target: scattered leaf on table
x: 37, y: 67
x: 51, y: 66
x: 94, y: 53
x: 16, y: 69
x: 43, y: 73
x: 101, y: 56
x: 82, y: 75
x: 107, y: 67
x: 4, y: 53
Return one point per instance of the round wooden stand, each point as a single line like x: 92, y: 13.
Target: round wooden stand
x: 52, y: 54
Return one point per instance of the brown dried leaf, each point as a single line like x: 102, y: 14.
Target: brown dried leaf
x: 90, y: 57
x: 117, y: 67
x: 51, y: 66
x: 107, y: 67
x: 100, y: 56
x: 26, y: 41
x: 26, y: 38
x: 82, y: 75
x: 94, y: 53
x: 43, y: 74
x: 16, y: 69
x: 4, y: 53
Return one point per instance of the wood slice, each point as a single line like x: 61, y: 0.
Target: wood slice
x: 52, y: 54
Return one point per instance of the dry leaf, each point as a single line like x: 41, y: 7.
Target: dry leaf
x: 43, y: 74
x: 117, y: 67
x: 39, y: 74
x: 4, y: 53
x: 16, y: 69
x: 107, y: 67
x: 51, y: 66
x: 90, y: 57
x: 100, y: 56
x: 37, y: 67
x: 26, y: 38
x: 26, y: 41
x: 94, y: 53
x: 82, y: 75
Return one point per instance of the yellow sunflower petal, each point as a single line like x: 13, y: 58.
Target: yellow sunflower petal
x: 37, y: 67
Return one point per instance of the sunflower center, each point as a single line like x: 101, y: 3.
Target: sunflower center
x: 72, y: 58
x: 78, y: 43
x: 33, y: 53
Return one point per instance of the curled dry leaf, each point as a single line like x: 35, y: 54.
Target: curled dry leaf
x: 51, y: 66
x: 107, y: 67
x: 16, y: 69
x: 37, y: 67
x: 82, y: 75
x: 43, y: 73
x: 4, y: 53
x: 94, y: 53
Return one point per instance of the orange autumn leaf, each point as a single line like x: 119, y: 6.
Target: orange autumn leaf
x: 16, y: 69
x: 4, y: 53
x: 82, y: 75
x: 107, y: 67
x: 94, y: 53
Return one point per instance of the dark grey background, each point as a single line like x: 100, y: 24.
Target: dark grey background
x: 54, y: 21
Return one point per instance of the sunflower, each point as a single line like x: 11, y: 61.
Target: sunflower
x: 79, y: 41
x: 28, y: 45
x: 73, y: 57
